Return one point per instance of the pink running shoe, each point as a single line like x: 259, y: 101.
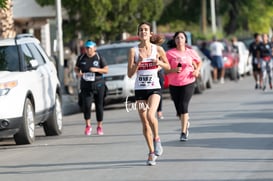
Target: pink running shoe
x: 88, y: 130
x: 99, y: 130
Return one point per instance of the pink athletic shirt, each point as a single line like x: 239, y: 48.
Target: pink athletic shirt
x: 186, y: 58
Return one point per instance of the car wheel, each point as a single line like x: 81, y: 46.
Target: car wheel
x: 26, y: 134
x: 54, y: 124
x: 209, y: 83
x: 199, y: 86
x: 233, y: 73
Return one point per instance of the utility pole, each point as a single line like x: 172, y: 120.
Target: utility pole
x: 60, y: 41
x: 213, y: 19
x: 154, y: 27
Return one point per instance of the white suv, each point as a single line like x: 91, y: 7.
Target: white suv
x: 30, y: 92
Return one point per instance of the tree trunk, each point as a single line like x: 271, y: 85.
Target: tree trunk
x: 233, y: 12
x: 204, y: 16
x: 6, y: 21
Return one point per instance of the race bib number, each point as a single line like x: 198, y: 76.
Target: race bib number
x: 89, y: 76
x: 145, y: 80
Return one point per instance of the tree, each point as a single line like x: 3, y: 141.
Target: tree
x: 6, y: 19
x: 233, y: 16
x: 254, y: 15
x: 107, y: 19
x: 3, y: 4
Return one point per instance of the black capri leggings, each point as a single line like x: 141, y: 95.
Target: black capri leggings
x: 181, y: 96
x: 87, y: 98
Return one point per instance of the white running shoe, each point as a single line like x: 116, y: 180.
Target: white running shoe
x: 153, y: 161
x: 158, y: 148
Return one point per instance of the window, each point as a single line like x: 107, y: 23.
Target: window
x: 115, y: 55
x: 9, y: 60
x: 27, y: 55
x: 36, y: 54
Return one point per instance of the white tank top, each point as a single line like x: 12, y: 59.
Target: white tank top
x: 147, y: 77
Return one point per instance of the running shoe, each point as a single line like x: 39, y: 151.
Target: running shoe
x: 151, y: 159
x: 158, y: 147
x: 161, y: 117
x: 215, y: 81
x: 222, y: 81
x: 88, y: 130
x: 183, y: 137
x: 99, y: 130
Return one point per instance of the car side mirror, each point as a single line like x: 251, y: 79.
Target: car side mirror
x: 33, y: 64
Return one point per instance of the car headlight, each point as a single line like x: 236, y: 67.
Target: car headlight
x: 115, y: 77
x: 5, y: 87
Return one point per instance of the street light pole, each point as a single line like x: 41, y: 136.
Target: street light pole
x: 213, y: 19
x: 60, y: 41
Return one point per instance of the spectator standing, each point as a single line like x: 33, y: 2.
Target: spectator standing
x: 185, y: 67
x: 235, y: 52
x: 204, y: 49
x: 81, y: 47
x: 90, y: 67
x: 216, y: 53
x: 234, y: 46
x: 253, y: 49
x: 144, y: 61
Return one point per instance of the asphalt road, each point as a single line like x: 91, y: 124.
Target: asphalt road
x: 231, y: 138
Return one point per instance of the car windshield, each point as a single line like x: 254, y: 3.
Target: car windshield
x: 9, y: 60
x: 115, y: 55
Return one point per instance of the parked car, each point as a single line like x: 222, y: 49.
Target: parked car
x: 204, y: 81
x: 231, y: 60
x: 30, y: 92
x: 245, y: 65
x: 247, y: 41
x: 120, y: 86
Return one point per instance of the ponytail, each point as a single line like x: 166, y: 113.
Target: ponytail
x: 157, y: 39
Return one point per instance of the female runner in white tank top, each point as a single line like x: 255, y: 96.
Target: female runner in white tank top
x: 144, y: 60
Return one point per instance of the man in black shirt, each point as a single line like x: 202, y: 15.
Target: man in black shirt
x: 257, y: 73
x: 265, y: 56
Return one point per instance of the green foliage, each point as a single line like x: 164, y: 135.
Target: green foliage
x: 260, y: 15
x: 3, y: 4
x: 107, y: 19
x: 233, y: 16
x: 184, y: 10
x: 254, y: 15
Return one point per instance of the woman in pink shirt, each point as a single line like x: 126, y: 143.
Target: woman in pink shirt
x: 185, y: 67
